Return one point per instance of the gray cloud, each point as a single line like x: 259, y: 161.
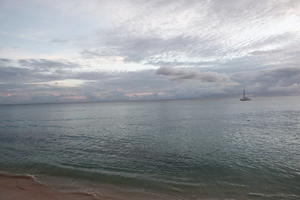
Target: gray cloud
x: 46, y: 64
x: 176, y: 63
x: 14, y: 74
x: 191, y: 74
x: 212, y: 30
x: 277, y: 81
x: 143, y: 48
x: 4, y: 60
x: 35, y: 70
x: 273, y: 77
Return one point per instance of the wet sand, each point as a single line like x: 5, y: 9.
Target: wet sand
x: 26, y: 187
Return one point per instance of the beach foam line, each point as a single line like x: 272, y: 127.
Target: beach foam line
x: 20, y: 176
x: 28, y: 187
x: 20, y: 186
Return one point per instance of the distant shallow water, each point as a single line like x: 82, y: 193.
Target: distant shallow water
x: 188, y: 148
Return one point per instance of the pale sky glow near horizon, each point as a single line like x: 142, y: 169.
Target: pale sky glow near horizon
x: 93, y: 50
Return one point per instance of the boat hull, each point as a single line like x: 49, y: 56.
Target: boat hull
x: 245, y: 99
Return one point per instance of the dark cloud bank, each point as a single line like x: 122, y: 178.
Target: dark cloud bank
x: 191, y: 74
x: 27, y: 81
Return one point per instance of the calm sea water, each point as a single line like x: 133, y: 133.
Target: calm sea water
x: 189, y: 148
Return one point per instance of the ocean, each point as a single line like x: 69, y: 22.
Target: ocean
x: 186, y: 149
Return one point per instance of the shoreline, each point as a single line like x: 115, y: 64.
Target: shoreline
x: 29, y: 187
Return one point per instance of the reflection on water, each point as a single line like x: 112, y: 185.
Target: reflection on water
x: 193, y: 148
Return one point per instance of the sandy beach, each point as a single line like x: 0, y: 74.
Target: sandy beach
x: 25, y: 187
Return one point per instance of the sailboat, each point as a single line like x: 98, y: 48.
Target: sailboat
x: 244, y: 98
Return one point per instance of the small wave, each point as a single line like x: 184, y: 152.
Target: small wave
x: 85, y: 189
x: 272, y: 196
x: 21, y: 176
x: 93, y: 195
x: 34, y: 179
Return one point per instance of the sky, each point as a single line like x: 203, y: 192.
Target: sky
x: 107, y: 50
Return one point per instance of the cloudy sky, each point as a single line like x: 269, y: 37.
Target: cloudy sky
x: 91, y: 50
